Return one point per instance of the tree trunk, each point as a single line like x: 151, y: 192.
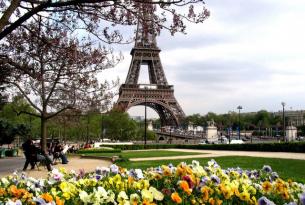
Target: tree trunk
x: 43, y: 140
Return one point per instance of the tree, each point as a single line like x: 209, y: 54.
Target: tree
x: 55, y: 72
x: 89, y: 14
x: 8, y: 131
x: 118, y: 126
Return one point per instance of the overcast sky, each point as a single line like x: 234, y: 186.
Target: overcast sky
x: 249, y: 53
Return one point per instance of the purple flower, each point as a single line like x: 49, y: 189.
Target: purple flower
x: 264, y: 201
x: 267, y: 168
x: 81, y: 173
x: 291, y: 203
x: 302, y: 198
x: 98, y: 171
x: 274, y: 175
x: 215, y: 179
x: 114, y: 168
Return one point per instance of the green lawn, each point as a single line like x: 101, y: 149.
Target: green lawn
x: 286, y: 168
x: 144, y: 154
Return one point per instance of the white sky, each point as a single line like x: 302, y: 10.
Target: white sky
x: 249, y: 53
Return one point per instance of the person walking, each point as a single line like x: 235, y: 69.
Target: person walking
x: 29, y: 153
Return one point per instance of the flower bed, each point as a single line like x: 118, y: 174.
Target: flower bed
x: 184, y: 184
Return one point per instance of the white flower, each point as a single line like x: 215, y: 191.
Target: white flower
x: 139, y: 173
x: 42, y: 201
x: 195, y: 163
x: 122, y: 197
x: 9, y: 202
x: 101, y: 193
x: 85, y: 197
x: 4, y: 181
x: 156, y: 194
x: 111, y: 197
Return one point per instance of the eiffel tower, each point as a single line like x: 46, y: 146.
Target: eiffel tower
x: 157, y: 95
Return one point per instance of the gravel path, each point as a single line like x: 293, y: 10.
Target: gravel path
x: 75, y: 163
x: 220, y: 153
x: 7, y: 166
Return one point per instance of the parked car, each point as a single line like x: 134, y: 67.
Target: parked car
x: 237, y: 142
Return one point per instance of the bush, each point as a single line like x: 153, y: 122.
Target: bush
x: 86, y: 151
x: 263, y: 147
x: 11, y: 152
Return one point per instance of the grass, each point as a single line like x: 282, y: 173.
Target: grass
x: 144, y: 154
x: 286, y: 168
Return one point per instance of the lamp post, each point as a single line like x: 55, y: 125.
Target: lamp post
x: 283, y: 104
x: 239, y: 108
x: 145, y: 118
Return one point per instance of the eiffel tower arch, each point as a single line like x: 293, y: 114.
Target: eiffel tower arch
x: 158, y: 94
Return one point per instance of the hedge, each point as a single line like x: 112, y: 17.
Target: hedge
x: 86, y: 151
x: 263, y: 147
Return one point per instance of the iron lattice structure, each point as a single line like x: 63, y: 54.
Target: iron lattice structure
x: 157, y: 95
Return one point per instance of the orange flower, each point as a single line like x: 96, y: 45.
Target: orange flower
x: 267, y: 186
x: 185, y: 187
x: 212, y: 201
x: 146, y: 202
x: 176, y: 198
x: 47, y: 197
x: 205, y: 193
x: 16, y: 192
x: 59, y: 202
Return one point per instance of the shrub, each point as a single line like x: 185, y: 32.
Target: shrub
x: 98, y: 150
x: 263, y: 147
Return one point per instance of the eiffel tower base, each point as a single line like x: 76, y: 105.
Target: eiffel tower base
x: 160, y: 98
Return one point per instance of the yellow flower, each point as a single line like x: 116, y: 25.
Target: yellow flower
x: 47, y: 197
x: 253, y: 200
x: 66, y: 195
x: 166, y: 170
x: 244, y: 196
x: 176, y: 198
x: 267, y: 186
x: 226, y: 192
x: 2, y: 192
x: 285, y: 195
x: 147, y: 195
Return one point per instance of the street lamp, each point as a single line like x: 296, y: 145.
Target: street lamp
x: 239, y: 108
x: 283, y: 104
x: 145, y: 118
x: 146, y: 87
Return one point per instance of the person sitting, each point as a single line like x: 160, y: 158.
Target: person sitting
x: 42, y: 157
x: 58, y: 153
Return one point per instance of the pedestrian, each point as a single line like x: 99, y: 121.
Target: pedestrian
x: 29, y: 153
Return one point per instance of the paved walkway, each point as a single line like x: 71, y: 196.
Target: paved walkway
x: 220, y: 153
